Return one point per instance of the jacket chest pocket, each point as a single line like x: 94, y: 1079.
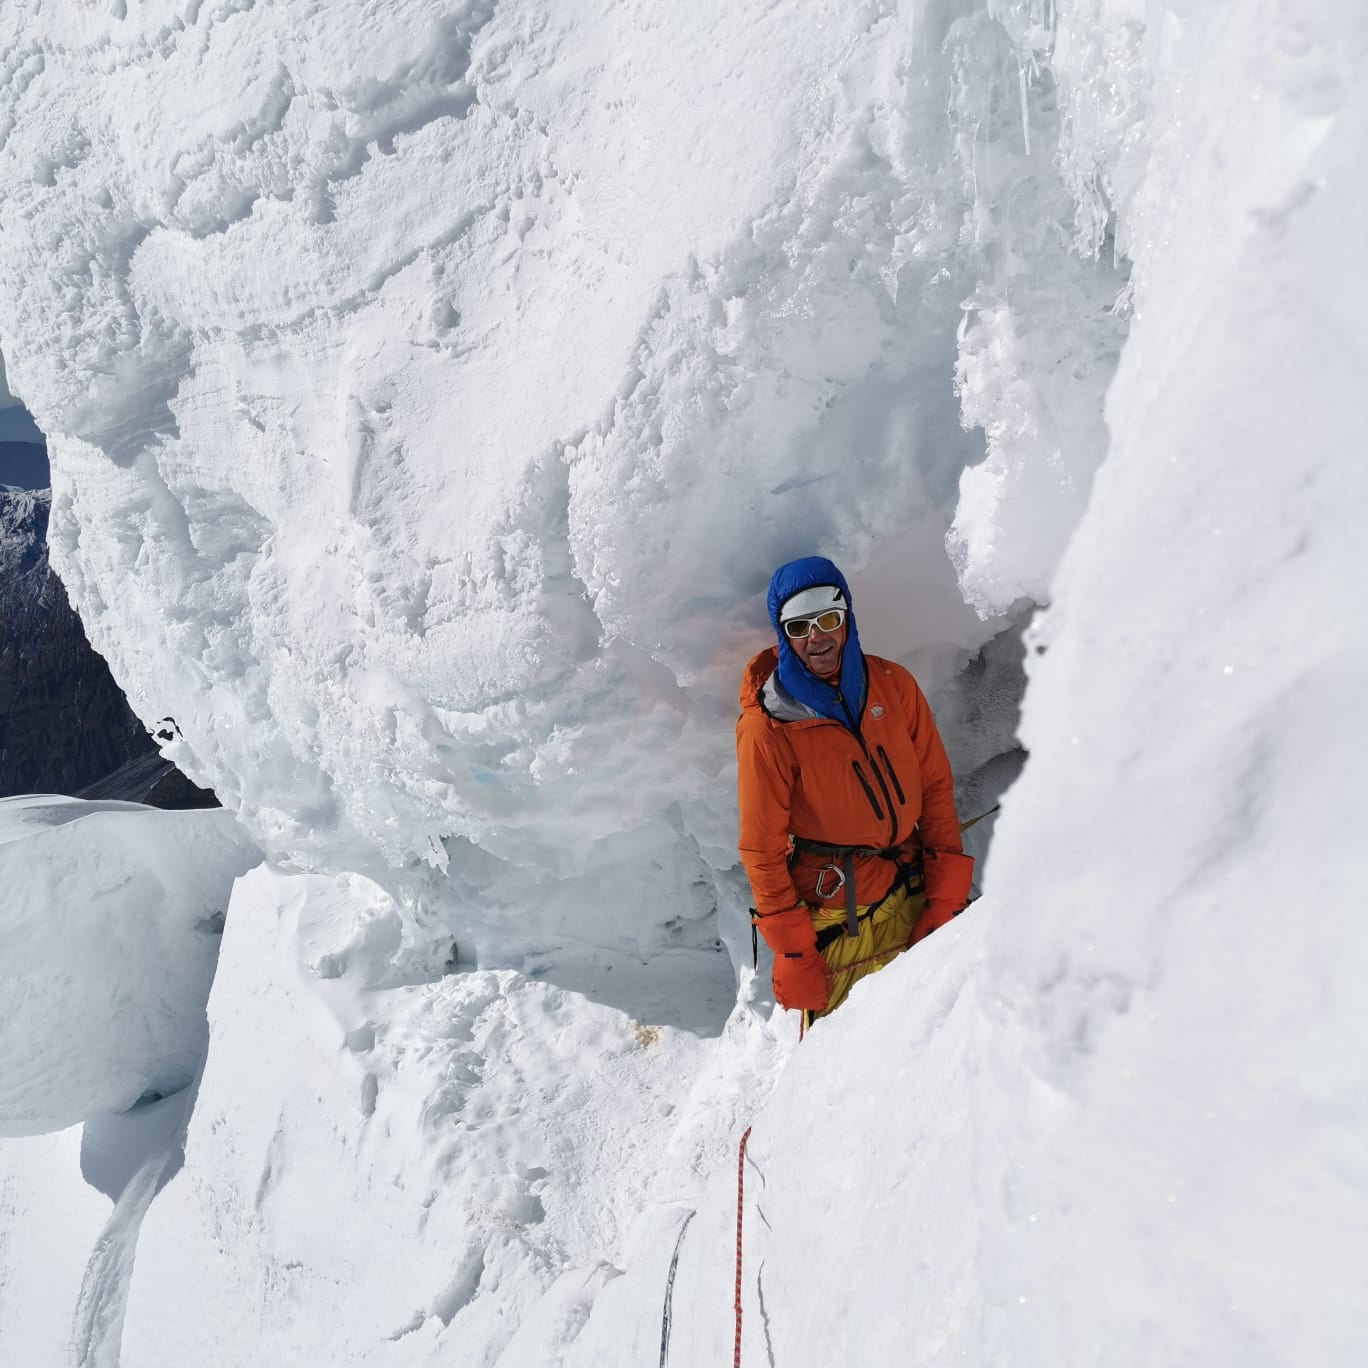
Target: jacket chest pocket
x: 868, y: 788
x: 890, y: 774
x: 853, y: 792
x: 890, y: 763
x: 881, y: 784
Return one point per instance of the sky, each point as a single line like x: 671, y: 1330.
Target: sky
x: 20, y: 465
x: 427, y: 412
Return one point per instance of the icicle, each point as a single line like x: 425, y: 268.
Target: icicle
x: 1025, y: 120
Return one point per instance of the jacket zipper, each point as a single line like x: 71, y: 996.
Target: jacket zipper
x: 888, y: 765
x: 859, y: 773
x: 869, y: 792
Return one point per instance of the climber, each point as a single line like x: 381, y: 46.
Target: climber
x: 849, y: 834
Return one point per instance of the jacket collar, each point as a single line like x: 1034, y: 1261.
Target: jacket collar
x: 782, y: 706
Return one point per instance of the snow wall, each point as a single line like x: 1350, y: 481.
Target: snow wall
x: 431, y: 395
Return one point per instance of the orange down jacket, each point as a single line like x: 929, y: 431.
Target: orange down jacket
x: 811, y: 777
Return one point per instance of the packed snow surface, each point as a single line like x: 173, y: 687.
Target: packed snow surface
x: 432, y: 388
x: 110, y: 924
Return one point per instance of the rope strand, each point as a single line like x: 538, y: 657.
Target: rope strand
x: 667, y: 1314
x: 740, y: 1194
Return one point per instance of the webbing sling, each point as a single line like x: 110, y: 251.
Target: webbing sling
x: 974, y: 821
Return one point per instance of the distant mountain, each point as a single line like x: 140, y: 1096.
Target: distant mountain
x: 152, y: 780
x: 65, y: 727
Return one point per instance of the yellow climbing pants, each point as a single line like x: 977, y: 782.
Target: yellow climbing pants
x: 884, y: 934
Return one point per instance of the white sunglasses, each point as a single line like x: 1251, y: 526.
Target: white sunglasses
x: 797, y: 628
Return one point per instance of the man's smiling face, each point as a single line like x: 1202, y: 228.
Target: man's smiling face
x: 821, y: 651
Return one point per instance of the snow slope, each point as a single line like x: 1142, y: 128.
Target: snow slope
x: 110, y: 923
x: 110, y: 926
x: 443, y: 537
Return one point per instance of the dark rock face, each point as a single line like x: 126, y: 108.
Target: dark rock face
x: 64, y: 725
x: 152, y: 780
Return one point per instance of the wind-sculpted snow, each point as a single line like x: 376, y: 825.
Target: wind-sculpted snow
x: 110, y: 926
x: 1039, y: 338
x: 1179, y: 979
x: 429, y: 407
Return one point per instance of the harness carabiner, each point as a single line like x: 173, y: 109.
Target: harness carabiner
x: 819, y: 885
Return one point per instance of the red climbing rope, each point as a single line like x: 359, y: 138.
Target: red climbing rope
x: 740, y: 1195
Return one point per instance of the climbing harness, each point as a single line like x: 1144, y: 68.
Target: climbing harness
x: 908, y: 876
x: 843, y: 873
x: 845, y: 878
x: 667, y: 1315
x: 740, y: 1196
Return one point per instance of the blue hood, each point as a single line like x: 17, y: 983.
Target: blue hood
x: 797, y: 680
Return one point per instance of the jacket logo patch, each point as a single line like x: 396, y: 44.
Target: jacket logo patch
x: 876, y: 711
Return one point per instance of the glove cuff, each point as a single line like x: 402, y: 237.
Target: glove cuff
x: 788, y: 933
